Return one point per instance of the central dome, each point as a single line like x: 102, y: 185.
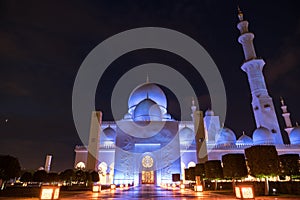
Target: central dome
x: 147, y: 91
x: 147, y: 110
x: 109, y: 133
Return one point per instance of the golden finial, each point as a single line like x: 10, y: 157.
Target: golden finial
x: 240, y: 14
x: 193, y: 101
x: 282, y: 101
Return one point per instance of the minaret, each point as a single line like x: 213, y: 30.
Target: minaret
x: 48, y: 163
x: 262, y: 103
x: 193, y: 108
x: 286, y: 116
x: 94, y: 138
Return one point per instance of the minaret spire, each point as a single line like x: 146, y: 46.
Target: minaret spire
x: 262, y: 103
x: 193, y: 108
x: 286, y: 117
x: 240, y: 14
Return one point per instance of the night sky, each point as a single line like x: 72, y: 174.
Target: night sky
x: 43, y: 43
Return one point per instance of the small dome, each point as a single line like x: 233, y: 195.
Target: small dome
x: 147, y: 110
x: 127, y: 116
x: 147, y: 90
x: 186, y: 134
x: 262, y: 135
x: 109, y: 133
x: 295, y: 135
x: 167, y: 116
x: 244, y: 140
x: 225, y: 137
x: 209, y: 113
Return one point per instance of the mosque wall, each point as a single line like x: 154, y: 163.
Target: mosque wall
x: 135, y: 140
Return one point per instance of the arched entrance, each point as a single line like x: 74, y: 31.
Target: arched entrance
x: 148, y: 173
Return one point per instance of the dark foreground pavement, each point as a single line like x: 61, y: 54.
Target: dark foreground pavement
x: 152, y: 192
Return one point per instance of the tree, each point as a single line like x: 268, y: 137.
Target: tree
x: 213, y: 170
x: 53, y: 177
x: 187, y: 174
x: 40, y: 176
x: 9, y: 167
x: 26, y: 177
x: 80, y: 176
x: 95, y: 176
x: 289, y: 165
x: 88, y: 178
x: 234, y: 166
x: 263, y: 162
x: 200, y: 171
x: 190, y: 174
x: 68, y: 176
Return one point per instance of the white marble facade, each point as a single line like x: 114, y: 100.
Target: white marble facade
x: 131, y: 152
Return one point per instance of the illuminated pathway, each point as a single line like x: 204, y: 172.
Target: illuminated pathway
x: 150, y: 192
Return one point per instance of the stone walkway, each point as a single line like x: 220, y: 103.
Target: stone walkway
x: 152, y: 192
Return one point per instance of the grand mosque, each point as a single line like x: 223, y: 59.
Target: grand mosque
x: 148, y: 146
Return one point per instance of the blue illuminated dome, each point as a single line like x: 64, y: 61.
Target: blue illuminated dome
x: 147, y: 90
x: 167, y: 116
x: 262, y: 135
x: 147, y: 110
x: 127, y: 116
x: 225, y: 137
x: 109, y: 133
x: 295, y: 136
x: 186, y: 135
x: 209, y: 112
x: 244, y: 140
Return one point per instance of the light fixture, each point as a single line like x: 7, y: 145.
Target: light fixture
x: 198, y: 188
x: 49, y: 192
x: 244, y: 192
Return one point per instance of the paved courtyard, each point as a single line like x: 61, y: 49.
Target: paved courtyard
x: 151, y: 192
